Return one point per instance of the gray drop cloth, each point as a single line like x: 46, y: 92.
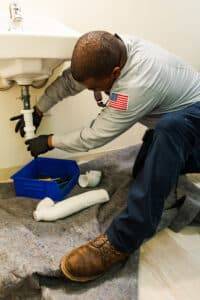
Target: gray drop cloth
x: 30, y: 252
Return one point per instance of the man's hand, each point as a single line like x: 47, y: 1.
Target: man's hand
x: 40, y: 145
x: 37, y: 117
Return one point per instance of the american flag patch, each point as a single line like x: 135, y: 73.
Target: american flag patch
x: 118, y: 101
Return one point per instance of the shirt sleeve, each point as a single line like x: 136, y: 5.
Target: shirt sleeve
x: 64, y: 86
x: 109, y: 124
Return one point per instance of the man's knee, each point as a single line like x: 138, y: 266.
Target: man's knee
x: 170, y: 124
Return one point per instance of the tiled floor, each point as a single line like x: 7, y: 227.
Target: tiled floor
x: 170, y: 266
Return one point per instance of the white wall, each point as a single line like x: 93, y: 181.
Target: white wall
x: 173, y: 24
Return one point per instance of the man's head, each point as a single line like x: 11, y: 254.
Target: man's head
x: 97, y: 60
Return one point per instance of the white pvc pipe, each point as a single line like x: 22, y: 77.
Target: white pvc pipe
x: 69, y: 206
x: 90, y: 179
x: 46, y: 202
x: 28, y: 119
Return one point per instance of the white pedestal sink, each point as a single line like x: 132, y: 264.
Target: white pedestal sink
x: 32, y: 51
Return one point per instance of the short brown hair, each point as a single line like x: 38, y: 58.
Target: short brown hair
x: 95, y: 55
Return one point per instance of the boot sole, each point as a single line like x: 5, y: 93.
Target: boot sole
x: 75, y: 278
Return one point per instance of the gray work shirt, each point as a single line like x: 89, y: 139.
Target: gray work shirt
x: 152, y: 83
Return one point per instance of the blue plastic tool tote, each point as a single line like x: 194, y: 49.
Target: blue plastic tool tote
x: 63, y: 176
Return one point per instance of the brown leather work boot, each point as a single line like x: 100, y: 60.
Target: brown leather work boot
x: 91, y: 260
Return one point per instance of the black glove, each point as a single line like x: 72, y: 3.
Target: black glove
x: 37, y: 117
x: 38, y: 145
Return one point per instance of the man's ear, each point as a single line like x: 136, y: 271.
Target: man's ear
x: 116, y: 72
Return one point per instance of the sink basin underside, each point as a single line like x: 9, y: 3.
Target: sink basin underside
x: 31, y: 54
x: 25, y: 71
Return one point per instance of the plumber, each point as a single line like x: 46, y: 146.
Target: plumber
x: 146, y: 84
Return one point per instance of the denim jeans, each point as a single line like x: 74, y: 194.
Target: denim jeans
x: 173, y: 149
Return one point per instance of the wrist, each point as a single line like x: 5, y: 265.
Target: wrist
x: 50, y: 141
